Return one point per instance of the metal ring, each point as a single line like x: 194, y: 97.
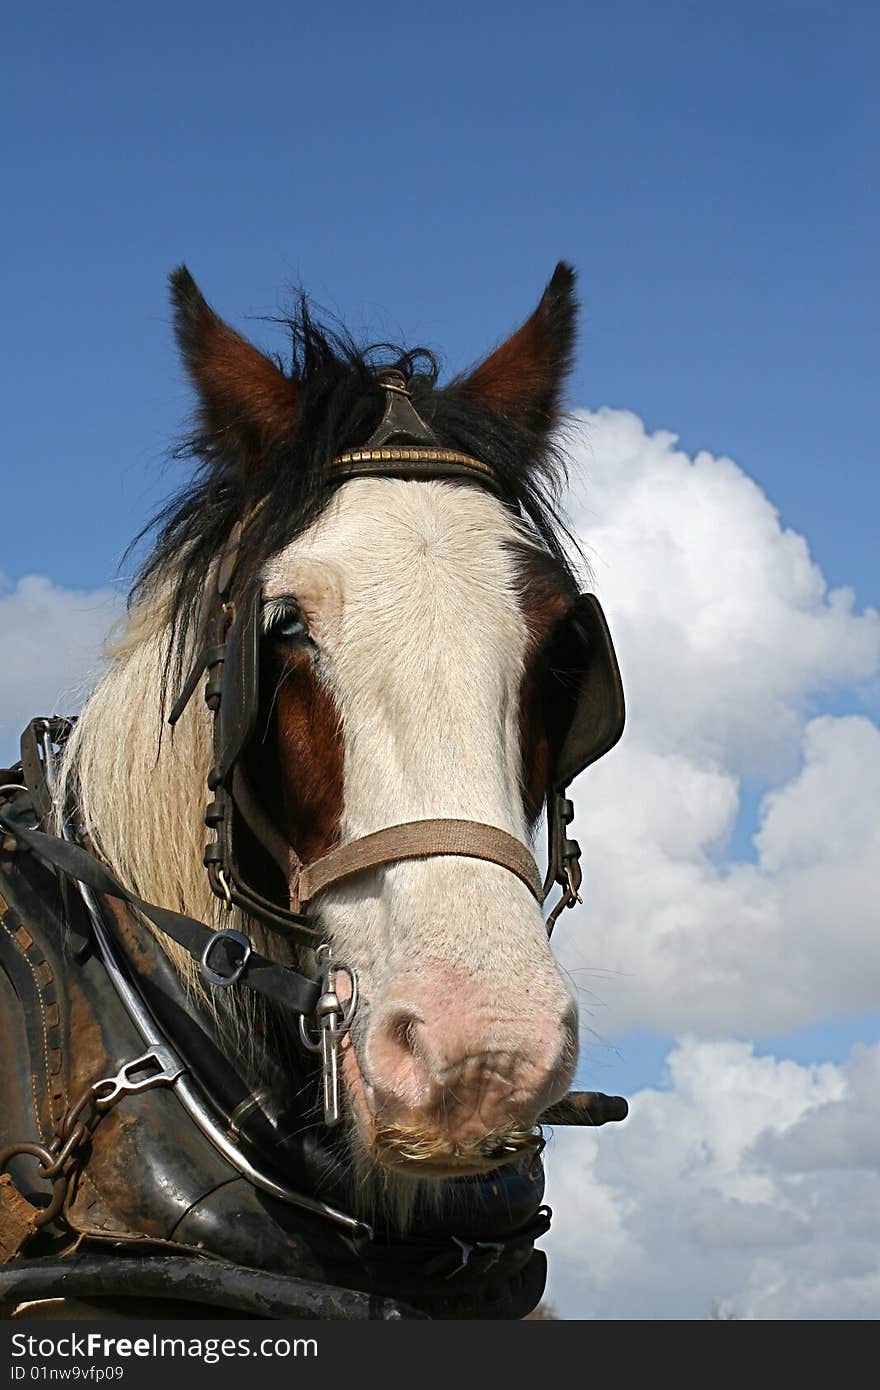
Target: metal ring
x: 46, y: 1160
x: 69, y: 1147
x: 16, y: 787
x: 214, y: 977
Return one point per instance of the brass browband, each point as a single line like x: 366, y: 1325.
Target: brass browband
x: 425, y: 460
x: 417, y: 461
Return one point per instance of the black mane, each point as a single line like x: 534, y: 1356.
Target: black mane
x: 339, y: 406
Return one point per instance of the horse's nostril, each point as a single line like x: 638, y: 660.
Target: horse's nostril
x: 395, y: 1054
x: 403, y: 1030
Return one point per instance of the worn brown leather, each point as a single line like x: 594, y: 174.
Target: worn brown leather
x: 18, y: 1219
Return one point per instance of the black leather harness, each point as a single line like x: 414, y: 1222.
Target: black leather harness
x: 144, y: 1177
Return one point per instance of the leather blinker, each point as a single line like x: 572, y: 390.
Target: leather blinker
x: 240, y: 689
x: 584, y: 693
x: 584, y: 712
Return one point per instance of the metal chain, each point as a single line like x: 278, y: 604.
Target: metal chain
x: 59, y: 1159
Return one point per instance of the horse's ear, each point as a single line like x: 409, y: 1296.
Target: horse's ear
x: 523, y: 378
x: 241, y: 391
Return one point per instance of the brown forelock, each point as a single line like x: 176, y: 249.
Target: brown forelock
x: 546, y: 595
x: 298, y: 766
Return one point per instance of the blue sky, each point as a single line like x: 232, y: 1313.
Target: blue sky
x: 709, y: 169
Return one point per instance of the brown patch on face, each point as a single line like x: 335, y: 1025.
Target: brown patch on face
x: 546, y: 597
x: 299, y: 766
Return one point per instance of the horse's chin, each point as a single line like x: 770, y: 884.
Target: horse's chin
x: 436, y: 1171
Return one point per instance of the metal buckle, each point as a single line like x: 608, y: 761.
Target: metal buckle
x: 488, y: 1253
x: 214, y: 977
x: 159, y: 1066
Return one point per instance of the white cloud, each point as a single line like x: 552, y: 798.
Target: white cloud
x: 724, y: 622
x: 51, y: 640
x: 750, y: 1185
x: 725, y: 628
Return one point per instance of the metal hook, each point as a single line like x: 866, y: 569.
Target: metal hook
x: 334, y: 1020
x: 227, y: 891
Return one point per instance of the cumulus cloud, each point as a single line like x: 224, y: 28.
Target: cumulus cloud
x: 51, y: 641
x: 724, y: 622
x: 725, y: 630
x: 749, y: 1184
x: 749, y: 1187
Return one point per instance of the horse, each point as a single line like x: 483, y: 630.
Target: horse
x: 300, y: 1069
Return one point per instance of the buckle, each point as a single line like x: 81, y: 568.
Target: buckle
x: 214, y: 977
x: 334, y: 1020
x: 478, y: 1256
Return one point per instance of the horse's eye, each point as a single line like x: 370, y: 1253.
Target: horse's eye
x: 286, y: 623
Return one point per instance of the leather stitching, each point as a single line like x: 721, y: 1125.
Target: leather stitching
x: 45, y: 1031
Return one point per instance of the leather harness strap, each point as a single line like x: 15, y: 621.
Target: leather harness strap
x: 418, y: 839
x: 279, y: 983
x: 417, y: 464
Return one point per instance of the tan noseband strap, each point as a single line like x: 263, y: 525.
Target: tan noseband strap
x: 418, y: 839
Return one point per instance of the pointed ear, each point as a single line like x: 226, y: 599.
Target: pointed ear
x: 241, y: 392
x: 523, y: 378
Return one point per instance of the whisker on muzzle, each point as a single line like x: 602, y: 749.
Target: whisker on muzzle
x: 393, y: 1145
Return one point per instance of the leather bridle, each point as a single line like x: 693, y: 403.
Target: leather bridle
x: 230, y: 654
x: 231, y: 658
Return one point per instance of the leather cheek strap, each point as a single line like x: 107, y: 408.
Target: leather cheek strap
x: 420, y: 839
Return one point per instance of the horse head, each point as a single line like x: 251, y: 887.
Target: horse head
x: 409, y: 675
